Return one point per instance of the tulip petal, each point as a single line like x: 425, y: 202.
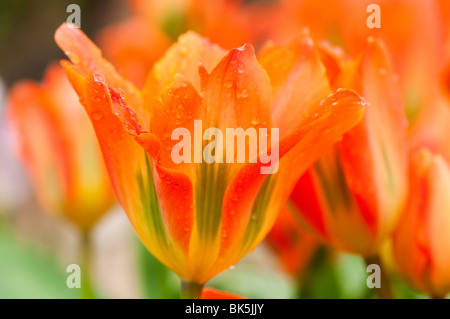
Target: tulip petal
x: 421, y: 243
x: 374, y: 159
x: 59, y: 149
x: 136, y: 183
x: 87, y: 57
x: 182, y: 58
x: 247, y: 220
x: 294, y: 246
x: 298, y: 79
x: 237, y: 94
x: 211, y: 293
x: 39, y: 135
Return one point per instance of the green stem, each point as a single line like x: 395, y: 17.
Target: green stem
x: 385, y: 290
x: 87, y: 291
x: 191, y: 290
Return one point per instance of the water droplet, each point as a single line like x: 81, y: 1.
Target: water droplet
x: 97, y: 115
x: 335, y: 103
x: 98, y: 77
x: 120, y: 92
x: 382, y: 71
x: 244, y: 93
x: 232, y: 212
x: 232, y: 267
x: 180, y: 106
x: 253, y: 217
x: 228, y: 84
x: 255, y: 121
x: 241, y: 68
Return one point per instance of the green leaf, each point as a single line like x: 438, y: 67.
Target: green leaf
x: 26, y: 272
x: 156, y: 280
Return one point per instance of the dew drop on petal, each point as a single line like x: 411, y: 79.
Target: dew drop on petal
x: 241, y: 68
x: 120, y: 92
x: 244, y: 93
x: 98, y: 77
x: 97, y: 115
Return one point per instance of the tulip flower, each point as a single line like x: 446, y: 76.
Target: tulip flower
x: 62, y: 157
x: 352, y: 196
x: 421, y: 242
x: 292, y: 244
x: 57, y: 145
x: 413, y: 31
x: 201, y: 218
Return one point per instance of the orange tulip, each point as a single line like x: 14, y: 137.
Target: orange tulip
x: 411, y: 29
x: 293, y: 245
x: 58, y: 147
x: 351, y: 198
x: 200, y: 218
x: 421, y: 241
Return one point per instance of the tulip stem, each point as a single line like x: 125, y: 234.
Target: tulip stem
x: 191, y: 290
x: 87, y: 291
x: 385, y: 290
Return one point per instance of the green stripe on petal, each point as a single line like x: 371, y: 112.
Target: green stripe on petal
x: 259, y: 212
x: 149, y: 201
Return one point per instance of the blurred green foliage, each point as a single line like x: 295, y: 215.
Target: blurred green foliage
x: 26, y: 272
x: 156, y: 280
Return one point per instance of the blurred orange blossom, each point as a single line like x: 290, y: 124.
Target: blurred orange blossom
x: 59, y: 149
x: 352, y: 197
